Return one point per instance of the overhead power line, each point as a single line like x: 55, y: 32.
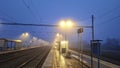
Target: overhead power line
x: 11, y: 19
x: 108, y: 21
x: 37, y: 11
x: 28, y: 7
x: 4, y: 19
x: 106, y: 13
x: 110, y: 11
x: 47, y: 25
x: 21, y: 24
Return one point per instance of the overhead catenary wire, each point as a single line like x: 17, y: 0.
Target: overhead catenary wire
x: 11, y: 19
x: 34, y: 32
x: 47, y: 25
x: 110, y: 11
x: 4, y: 19
x: 36, y: 9
x: 30, y: 10
x: 106, y: 13
x: 109, y: 20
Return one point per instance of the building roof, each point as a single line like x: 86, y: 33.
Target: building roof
x: 8, y: 40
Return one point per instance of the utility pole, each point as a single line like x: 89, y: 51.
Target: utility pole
x: 80, y: 31
x: 91, y: 41
x: 65, y: 43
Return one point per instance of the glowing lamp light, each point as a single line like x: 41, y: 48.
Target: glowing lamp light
x: 62, y: 23
x: 17, y: 40
x: 66, y: 23
x: 23, y: 34
x: 26, y: 34
x: 69, y: 23
x: 58, y: 35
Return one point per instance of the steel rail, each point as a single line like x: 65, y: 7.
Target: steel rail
x: 38, y: 56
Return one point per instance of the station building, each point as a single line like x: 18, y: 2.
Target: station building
x: 6, y: 44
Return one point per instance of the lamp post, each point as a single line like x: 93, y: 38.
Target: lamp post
x: 24, y: 37
x: 80, y: 31
x: 58, y: 40
x: 66, y: 24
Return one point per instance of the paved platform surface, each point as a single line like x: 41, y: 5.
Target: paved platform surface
x: 57, y: 60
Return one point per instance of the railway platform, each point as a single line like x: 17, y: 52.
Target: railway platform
x: 47, y: 57
x: 57, y: 60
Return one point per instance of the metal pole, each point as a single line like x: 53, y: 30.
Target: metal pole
x: 92, y: 27
x: 81, y: 46
x: 99, y: 55
x: 81, y: 49
x: 65, y: 43
x: 91, y: 41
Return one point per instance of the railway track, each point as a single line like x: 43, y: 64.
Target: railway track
x: 32, y: 58
x: 35, y: 61
x: 7, y: 57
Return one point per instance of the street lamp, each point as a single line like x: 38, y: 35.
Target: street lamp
x: 24, y: 37
x: 80, y: 31
x: 69, y: 23
x: 58, y: 39
x: 66, y: 24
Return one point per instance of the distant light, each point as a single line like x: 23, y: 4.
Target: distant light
x: 23, y: 34
x: 17, y: 40
x: 58, y: 35
x: 27, y: 34
x: 34, y: 38
x: 64, y: 42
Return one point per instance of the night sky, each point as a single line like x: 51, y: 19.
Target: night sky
x: 106, y: 13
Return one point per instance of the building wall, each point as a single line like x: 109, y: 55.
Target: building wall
x: 18, y: 45
x: 2, y: 45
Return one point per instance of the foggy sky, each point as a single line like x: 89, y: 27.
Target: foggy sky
x: 106, y: 12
